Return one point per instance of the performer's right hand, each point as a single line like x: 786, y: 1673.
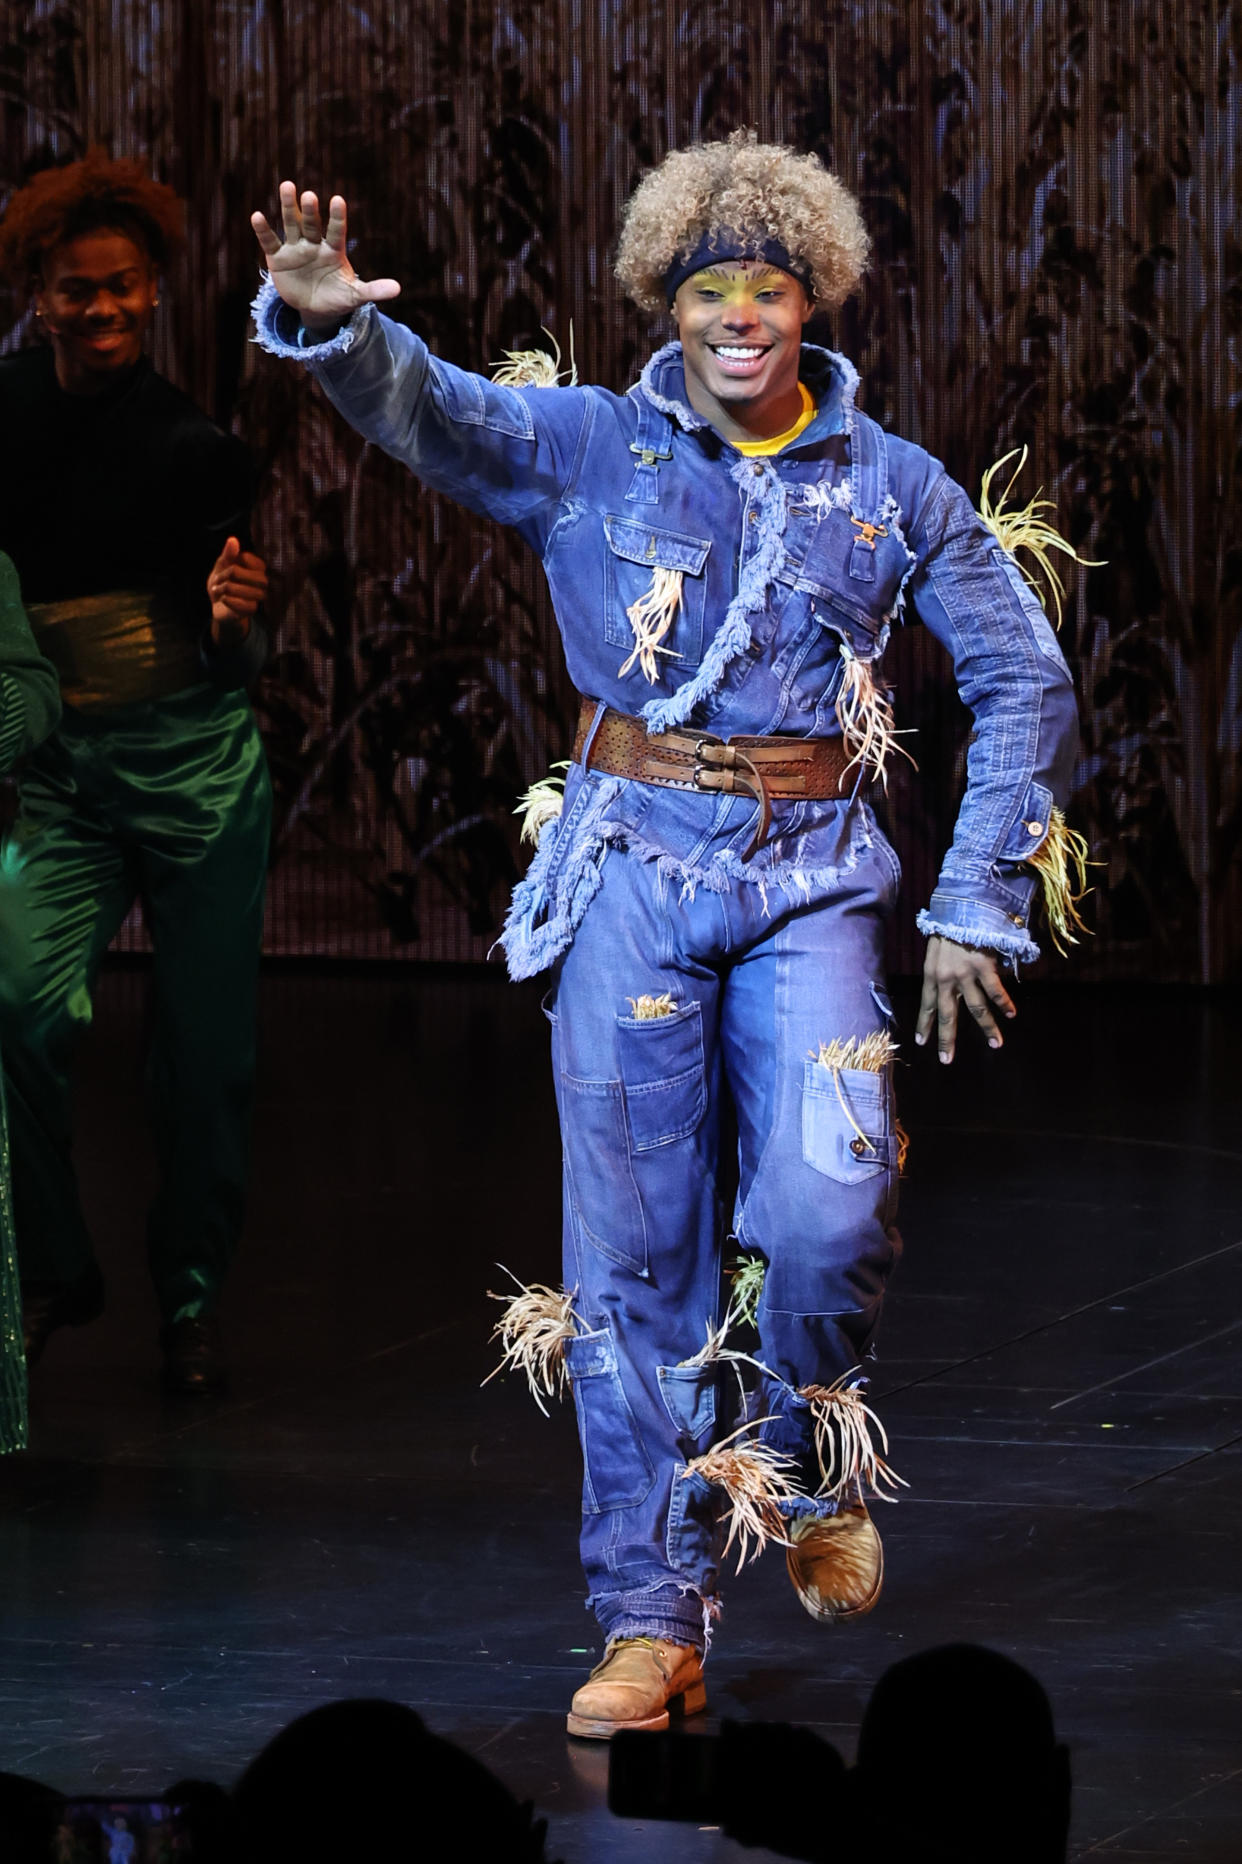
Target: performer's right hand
x: 310, y: 266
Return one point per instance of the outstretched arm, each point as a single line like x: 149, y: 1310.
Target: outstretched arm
x: 309, y: 263
x: 508, y: 453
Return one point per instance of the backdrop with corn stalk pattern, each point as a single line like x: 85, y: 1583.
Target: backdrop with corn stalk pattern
x: 1055, y: 195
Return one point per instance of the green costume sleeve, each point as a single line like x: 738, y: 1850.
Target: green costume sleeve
x: 29, y: 689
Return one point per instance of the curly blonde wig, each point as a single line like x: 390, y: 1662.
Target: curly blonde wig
x: 752, y: 188
x: 90, y: 196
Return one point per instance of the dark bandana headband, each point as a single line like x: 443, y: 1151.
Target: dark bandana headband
x: 721, y: 245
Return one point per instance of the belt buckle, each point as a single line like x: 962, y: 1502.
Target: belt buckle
x: 701, y: 744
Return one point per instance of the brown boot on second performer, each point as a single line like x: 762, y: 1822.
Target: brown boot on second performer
x: 836, y: 1563
x: 642, y: 1682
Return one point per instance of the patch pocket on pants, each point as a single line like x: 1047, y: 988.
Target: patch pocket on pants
x: 617, y: 1472
x: 689, y: 1394
x: 846, y: 1122
x: 665, y: 1082
x: 601, y: 1178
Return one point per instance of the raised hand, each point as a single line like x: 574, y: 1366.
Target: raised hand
x: 310, y: 266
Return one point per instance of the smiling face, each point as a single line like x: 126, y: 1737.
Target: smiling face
x: 96, y: 298
x: 740, y: 324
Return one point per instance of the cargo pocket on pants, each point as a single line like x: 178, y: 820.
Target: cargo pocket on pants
x: 617, y: 1472
x: 602, y: 1190
x: 662, y: 1068
x: 847, y: 1122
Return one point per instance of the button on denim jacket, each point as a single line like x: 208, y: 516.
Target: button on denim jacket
x: 788, y: 566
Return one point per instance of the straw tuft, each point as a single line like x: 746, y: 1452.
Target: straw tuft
x: 542, y: 802
x: 1025, y: 529
x: 756, y: 1479
x: 532, y: 1331
x: 651, y: 617
x: 871, y: 1054
x: 747, y: 1277
x: 1061, y: 862
x: 535, y: 368
x: 844, y: 1449
x: 865, y: 715
x: 651, y: 1009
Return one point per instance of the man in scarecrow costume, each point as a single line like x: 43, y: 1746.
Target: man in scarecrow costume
x: 125, y: 511
x: 727, y: 545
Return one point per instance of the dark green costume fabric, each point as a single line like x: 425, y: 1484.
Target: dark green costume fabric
x: 29, y: 709
x: 168, y: 803
x: 165, y: 800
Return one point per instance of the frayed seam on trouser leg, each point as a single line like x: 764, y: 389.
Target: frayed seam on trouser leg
x: 672, y: 1611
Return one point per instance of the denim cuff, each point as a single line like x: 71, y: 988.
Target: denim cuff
x: 796, y: 1507
x: 968, y: 920
x: 666, y: 1612
x: 280, y: 331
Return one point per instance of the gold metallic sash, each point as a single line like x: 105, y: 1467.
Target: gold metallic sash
x: 116, y: 649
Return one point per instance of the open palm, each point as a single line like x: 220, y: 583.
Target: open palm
x: 309, y: 265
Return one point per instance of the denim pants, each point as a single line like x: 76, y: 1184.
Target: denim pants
x: 756, y: 985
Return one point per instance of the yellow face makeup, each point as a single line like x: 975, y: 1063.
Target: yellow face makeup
x: 742, y: 284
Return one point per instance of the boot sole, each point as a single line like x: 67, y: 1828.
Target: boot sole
x: 825, y: 1615
x: 691, y: 1701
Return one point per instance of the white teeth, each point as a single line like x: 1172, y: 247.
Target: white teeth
x: 737, y: 355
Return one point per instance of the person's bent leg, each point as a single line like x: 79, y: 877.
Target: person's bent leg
x: 806, y: 1029
x: 204, y: 868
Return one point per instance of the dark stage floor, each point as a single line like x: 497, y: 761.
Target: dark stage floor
x: 1061, y: 1358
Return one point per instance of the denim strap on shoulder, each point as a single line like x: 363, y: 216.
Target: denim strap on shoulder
x: 868, y: 467
x: 868, y: 491
x: 652, y: 443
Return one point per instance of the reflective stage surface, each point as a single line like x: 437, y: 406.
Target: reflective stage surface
x: 1060, y: 1373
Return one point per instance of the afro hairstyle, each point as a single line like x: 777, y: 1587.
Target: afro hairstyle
x: 93, y: 195
x: 747, y: 187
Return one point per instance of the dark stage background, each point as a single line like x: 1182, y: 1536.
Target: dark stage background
x: 1054, y: 192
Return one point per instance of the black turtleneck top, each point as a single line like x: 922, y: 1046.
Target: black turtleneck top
x: 130, y: 488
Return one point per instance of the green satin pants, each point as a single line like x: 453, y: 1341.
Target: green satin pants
x: 166, y: 802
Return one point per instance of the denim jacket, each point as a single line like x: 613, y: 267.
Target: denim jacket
x: 788, y: 566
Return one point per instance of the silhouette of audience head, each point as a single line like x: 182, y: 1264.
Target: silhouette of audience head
x: 29, y: 1816
x: 958, y: 1761
x: 367, y: 1779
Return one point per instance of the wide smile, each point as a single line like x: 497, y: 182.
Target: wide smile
x: 740, y: 359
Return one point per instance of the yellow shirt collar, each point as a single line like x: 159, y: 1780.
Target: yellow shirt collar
x: 758, y: 449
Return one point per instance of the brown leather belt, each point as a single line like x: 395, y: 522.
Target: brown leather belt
x: 770, y: 768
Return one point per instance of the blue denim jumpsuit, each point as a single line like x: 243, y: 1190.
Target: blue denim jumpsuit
x: 638, y: 890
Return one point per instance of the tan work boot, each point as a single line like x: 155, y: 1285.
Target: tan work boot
x: 642, y: 1682
x: 836, y: 1563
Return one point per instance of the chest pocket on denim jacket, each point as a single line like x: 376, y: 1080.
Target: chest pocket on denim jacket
x: 635, y: 551
x: 854, y: 606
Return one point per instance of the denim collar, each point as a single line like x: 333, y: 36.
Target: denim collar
x: 831, y: 378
